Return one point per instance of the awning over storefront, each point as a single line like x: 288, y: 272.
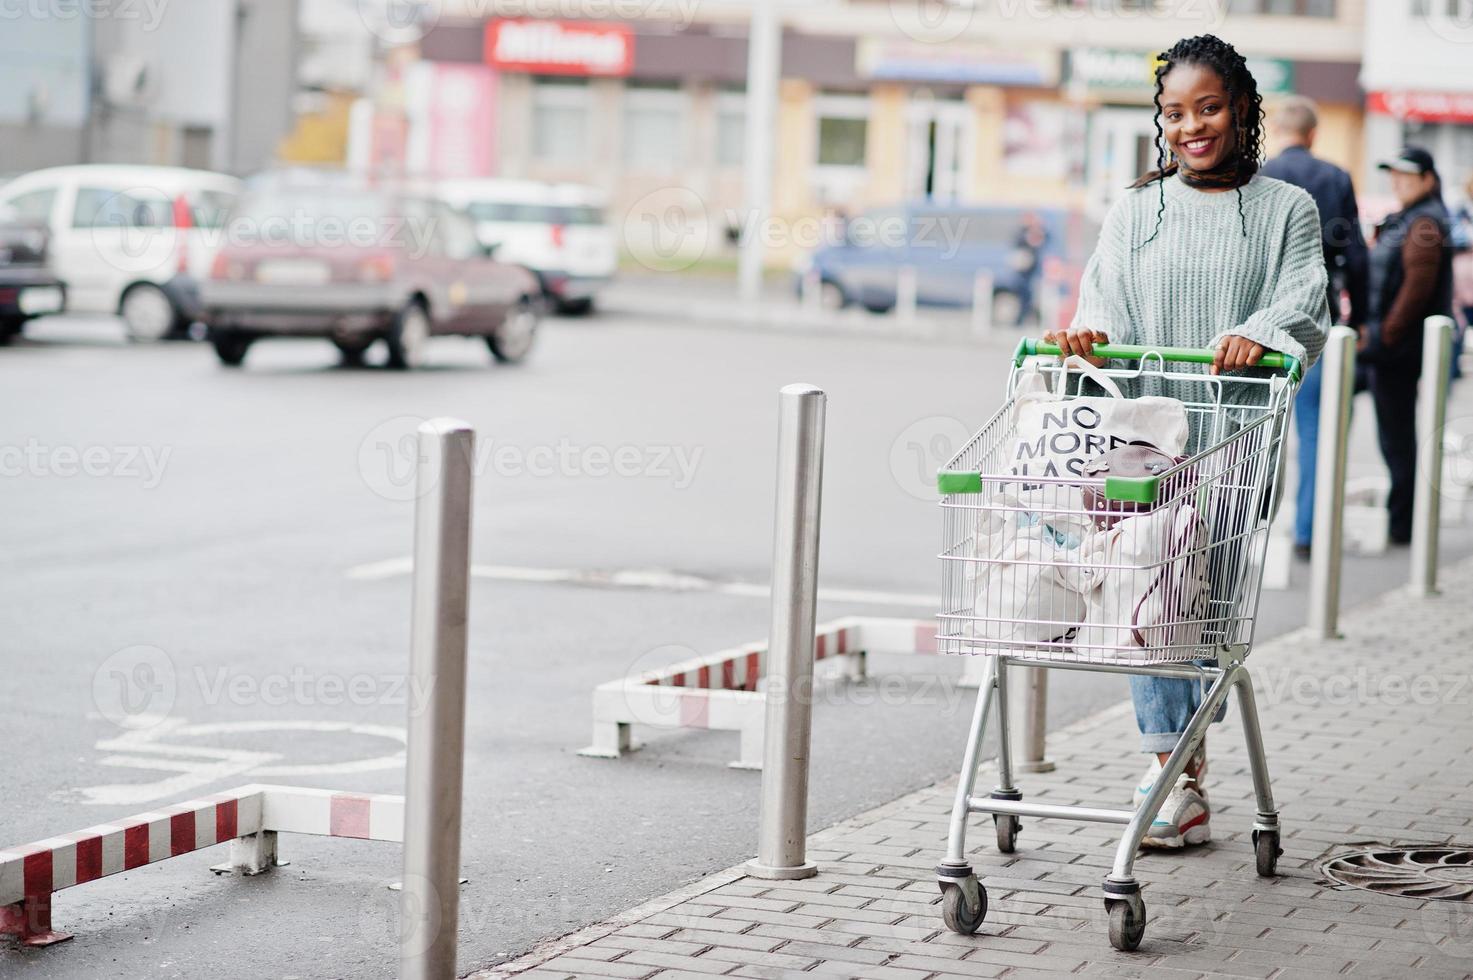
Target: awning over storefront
x: 1439, y: 107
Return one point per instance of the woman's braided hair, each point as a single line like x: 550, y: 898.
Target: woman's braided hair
x: 1221, y: 57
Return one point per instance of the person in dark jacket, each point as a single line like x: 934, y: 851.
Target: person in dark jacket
x: 1411, y: 278
x: 1294, y: 125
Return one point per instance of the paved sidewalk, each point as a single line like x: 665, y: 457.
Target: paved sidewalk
x: 1369, y: 741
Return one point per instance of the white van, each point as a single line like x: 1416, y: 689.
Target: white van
x: 130, y: 240
x: 556, y: 230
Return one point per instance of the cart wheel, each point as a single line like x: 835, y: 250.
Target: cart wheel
x: 1127, y: 922
x: 1007, y: 826
x: 954, y: 911
x: 1266, y: 844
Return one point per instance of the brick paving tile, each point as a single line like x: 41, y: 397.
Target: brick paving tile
x: 1350, y: 774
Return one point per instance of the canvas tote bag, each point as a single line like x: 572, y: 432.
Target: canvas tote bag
x: 1055, y: 436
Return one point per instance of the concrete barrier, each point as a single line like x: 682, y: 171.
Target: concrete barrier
x: 248, y: 818
x: 720, y: 691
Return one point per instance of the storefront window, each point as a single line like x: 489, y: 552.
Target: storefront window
x: 843, y: 126
x: 560, y: 120
x: 654, y: 127
x: 731, y: 128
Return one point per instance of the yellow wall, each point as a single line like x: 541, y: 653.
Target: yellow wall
x: 885, y: 146
x: 795, y: 150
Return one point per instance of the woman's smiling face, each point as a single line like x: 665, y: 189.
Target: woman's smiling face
x: 1195, y: 116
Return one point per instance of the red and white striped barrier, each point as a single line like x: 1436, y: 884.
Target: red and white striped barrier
x: 249, y: 818
x: 719, y: 691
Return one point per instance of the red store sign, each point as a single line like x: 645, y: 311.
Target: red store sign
x: 559, y: 47
x: 1439, y: 107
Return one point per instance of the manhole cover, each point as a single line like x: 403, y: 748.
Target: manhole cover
x: 1411, y: 872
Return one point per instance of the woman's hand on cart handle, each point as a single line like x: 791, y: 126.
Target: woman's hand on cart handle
x: 1080, y: 341
x: 1234, y: 352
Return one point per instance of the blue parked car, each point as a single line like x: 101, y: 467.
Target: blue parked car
x: 947, y: 245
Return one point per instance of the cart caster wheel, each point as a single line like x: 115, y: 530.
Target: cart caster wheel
x: 1007, y: 831
x: 956, y: 911
x: 1266, y: 844
x: 1127, y: 922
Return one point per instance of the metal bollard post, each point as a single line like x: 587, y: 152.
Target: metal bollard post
x: 1049, y: 304
x: 1030, y: 689
x: 1337, y: 388
x: 905, y: 294
x: 982, y: 302
x: 1437, y: 355
x: 782, y: 841
x: 430, y: 902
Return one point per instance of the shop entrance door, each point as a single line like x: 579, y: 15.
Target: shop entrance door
x: 1122, y: 146
x: 940, y: 150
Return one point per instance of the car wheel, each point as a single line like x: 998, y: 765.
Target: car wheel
x: 575, y: 307
x: 512, y: 339
x: 10, y: 327
x: 408, y: 337
x: 148, y: 313
x: 353, y: 348
x: 231, y: 346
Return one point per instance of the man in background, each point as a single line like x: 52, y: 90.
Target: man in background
x: 1293, y: 126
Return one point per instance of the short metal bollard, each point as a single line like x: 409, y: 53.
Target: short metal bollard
x: 430, y: 903
x: 982, y: 289
x: 782, y: 840
x: 905, y: 294
x: 1437, y: 355
x: 1337, y: 388
x: 1030, y: 689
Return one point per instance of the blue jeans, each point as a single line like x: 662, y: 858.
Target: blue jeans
x: 1163, y: 706
x: 1307, y: 425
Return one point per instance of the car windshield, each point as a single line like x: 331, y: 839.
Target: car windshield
x: 544, y: 214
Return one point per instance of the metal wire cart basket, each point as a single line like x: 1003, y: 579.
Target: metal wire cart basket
x: 1156, y: 574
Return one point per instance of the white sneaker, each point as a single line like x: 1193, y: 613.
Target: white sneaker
x: 1183, y: 818
x: 1153, y: 771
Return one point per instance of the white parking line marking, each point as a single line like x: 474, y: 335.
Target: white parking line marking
x: 652, y: 579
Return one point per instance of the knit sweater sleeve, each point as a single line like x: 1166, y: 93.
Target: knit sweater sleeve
x: 1102, y: 303
x: 1296, y: 316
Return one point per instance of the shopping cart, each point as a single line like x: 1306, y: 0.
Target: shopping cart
x: 1205, y: 518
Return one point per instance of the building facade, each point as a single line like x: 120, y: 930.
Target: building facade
x: 1025, y: 102
x: 1419, y: 87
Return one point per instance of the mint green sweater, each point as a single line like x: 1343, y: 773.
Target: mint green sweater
x: 1201, y: 278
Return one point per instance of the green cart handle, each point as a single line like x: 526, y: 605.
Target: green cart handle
x: 1287, y: 363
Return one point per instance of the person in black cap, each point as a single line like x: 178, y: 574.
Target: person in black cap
x: 1411, y: 278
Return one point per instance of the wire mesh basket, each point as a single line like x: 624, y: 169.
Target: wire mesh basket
x: 1116, y: 569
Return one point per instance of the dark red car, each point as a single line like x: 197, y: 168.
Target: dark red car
x: 356, y: 265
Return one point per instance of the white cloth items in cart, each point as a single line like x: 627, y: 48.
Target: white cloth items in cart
x: 1024, y: 546
x: 1145, y: 586
x: 1054, y: 435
